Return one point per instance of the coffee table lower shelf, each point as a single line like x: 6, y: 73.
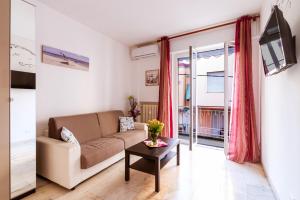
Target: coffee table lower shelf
x: 153, y: 159
x: 148, y: 165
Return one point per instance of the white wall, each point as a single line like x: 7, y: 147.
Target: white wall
x: 280, y: 115
x: 63, y: 91
x: 142, y: 92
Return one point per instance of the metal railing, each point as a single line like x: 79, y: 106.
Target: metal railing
x: 210, y: 122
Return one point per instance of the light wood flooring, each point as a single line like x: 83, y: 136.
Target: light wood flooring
x: 203, y: 174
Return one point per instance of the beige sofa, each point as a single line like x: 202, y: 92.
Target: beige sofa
x: 101, y: 145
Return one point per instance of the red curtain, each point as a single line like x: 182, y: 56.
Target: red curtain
x: 165, y: 89
x: 243, y: 141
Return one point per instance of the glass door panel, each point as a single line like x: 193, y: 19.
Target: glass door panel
x: 210, y: 89
x: 186, y: 101
x: 203, y: 94
x: 183, y: 94
x: 193, y: 98
x: 229, y: 60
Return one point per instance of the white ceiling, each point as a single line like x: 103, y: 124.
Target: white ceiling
x: 137, y: 21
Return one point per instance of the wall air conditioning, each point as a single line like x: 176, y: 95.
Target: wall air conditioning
x: 144, y: 52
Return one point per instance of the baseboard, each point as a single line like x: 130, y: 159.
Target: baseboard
x: 270, y: 183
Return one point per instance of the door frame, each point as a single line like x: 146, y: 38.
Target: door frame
x: 227, y: 119
x: 175, y: 72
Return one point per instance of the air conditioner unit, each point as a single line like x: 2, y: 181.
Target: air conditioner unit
x: 144, y: 51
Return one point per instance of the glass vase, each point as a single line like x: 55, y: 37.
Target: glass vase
x: 154, y: 137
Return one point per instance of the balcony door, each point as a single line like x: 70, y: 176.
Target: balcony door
x: 203, y: 94
x: 193, y: 118
x: 229, y: 58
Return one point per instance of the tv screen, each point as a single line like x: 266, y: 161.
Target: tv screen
x: 277, y: 44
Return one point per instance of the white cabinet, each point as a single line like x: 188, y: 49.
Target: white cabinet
x: 22, y: 141
x: 22, y: 95
x: 22, y: 115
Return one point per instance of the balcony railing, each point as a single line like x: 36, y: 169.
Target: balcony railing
x: 210, y: 122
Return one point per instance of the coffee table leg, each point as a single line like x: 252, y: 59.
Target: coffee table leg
x: 178, y: 154
x: 157, y: 175
x: 127, y: 163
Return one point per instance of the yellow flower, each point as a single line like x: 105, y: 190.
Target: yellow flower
x: 155, y: 126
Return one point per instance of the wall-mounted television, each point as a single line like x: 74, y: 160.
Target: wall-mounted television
x: 277, y: 44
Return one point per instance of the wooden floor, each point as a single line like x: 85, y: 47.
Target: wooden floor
x: 203, y: 174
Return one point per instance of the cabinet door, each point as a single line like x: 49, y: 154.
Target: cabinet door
x: 23, y: 103
x: 23, y: 139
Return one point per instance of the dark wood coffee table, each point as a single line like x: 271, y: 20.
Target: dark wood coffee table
x: 153, y: 159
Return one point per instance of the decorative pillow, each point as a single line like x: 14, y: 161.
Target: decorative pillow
x: 126, y: 124
x: 68, y: 136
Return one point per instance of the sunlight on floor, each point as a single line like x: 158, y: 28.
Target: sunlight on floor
x: 203, y: 173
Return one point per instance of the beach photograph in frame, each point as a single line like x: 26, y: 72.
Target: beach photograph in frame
x: 152, y: 77
x: 54, y: 56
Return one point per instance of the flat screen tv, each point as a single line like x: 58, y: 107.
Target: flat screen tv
x: 277, y: 44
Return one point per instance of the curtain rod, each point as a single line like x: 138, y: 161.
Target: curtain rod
x: 254, y: 17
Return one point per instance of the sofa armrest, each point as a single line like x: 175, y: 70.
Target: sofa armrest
x: 58, y: 161
x: 141, y: 126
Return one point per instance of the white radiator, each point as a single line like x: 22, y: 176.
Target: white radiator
x: 149, y: 110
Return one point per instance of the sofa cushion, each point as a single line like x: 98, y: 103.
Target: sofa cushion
x: 109, y: 122
x: 68, y: 136
x: 84, y: 127
x: 126, y: 124
x: 131, y: 138
x: 96, y: 151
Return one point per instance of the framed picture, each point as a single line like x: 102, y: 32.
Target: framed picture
x: 63, y: 58
x: 152, y: 77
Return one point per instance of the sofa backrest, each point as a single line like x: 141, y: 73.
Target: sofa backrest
x: 85, y: 127
x: 109, y: 122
